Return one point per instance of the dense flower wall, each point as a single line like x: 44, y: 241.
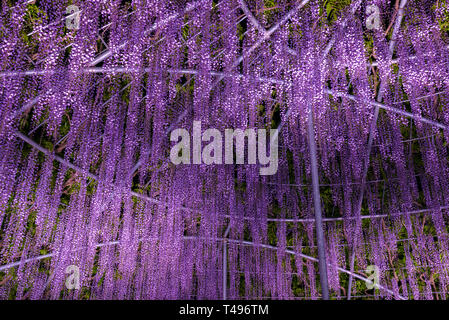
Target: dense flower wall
x: 87, y: 103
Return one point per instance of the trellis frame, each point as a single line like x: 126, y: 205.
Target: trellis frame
x: 319, y: 219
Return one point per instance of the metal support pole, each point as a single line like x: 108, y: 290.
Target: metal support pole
x: 225, y: 262
x: 225, y: 271
x: 322, y: 265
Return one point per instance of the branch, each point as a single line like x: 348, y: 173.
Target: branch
x: 251, y: 17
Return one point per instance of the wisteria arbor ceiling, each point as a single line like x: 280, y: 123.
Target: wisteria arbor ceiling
x: 86, y: 179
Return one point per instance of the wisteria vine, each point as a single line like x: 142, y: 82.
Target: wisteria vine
x: 85, y: 172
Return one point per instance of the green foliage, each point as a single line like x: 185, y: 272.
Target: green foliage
x: 443, y: 20
x: 332, y: 8
x: 33, y: 17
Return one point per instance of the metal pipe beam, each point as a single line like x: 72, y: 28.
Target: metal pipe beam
x: 225, y: 262
x: 322, y: 265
